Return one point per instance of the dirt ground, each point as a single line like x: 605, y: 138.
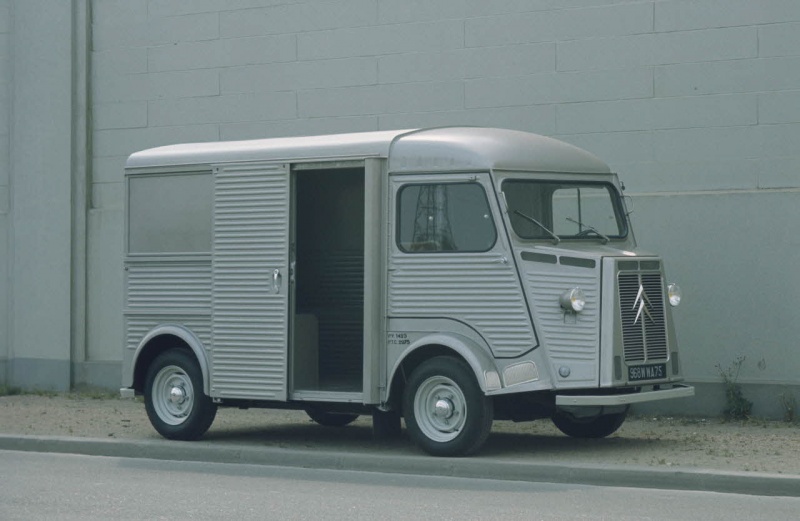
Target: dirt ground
x: 760, y: 446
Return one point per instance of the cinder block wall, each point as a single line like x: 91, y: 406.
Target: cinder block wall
x: 695, y: 103
x: 36, y: 227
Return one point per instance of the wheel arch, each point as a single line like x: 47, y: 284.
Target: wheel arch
x: 434, y: 345
x: 162, y: 338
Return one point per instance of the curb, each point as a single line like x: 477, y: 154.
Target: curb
x: 750, y: 483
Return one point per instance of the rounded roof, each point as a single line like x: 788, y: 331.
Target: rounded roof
x: 469, y: 148
x: 424, y: 150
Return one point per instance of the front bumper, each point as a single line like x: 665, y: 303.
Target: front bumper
x: 677, y: 391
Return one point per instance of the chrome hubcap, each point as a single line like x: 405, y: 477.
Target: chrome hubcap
x: 172, y: 395
x: 177, y: 395
x: 440, y: 409
x: 443, y: 408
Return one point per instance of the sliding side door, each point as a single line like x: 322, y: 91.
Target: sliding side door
x: 250, y: 281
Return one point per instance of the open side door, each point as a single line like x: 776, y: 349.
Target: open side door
x: 250, y: 296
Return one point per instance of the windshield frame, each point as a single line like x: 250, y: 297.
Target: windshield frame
x: 567, y: 181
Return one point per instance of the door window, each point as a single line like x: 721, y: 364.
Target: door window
x: 444, y: 217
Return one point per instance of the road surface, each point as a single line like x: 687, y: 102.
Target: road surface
x: 72, y: 487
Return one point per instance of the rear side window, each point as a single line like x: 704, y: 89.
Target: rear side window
x: 170, y: 213
x: 444, y: 217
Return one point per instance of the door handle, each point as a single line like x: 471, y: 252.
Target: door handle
x: 276, y: 280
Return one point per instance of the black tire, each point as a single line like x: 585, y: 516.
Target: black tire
x: 386, y: 424
x: 330, y: 419
x: 597, y: 427
x: 445, y: 409
x: 174, y: 399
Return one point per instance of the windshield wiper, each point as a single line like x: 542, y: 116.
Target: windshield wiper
x: 556, y: 238
x: 589, y: 229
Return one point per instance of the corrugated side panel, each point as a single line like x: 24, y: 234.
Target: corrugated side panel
x: 251, y: 230
x: 476, y: 289
x: 137, y: 326
x: 169, y: 286
x: 565, y: 338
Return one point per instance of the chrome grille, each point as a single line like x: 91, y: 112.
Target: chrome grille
x: 644, y: 333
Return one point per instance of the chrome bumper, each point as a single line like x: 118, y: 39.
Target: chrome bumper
x: 677, y: 391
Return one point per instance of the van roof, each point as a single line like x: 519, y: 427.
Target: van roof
x: 421, y: 150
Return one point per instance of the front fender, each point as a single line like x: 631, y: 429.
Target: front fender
x: 184, y: 334
x: 472, y: 352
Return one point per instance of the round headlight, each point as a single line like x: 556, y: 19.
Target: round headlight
x: 573, y: 300
x: 674, y: 294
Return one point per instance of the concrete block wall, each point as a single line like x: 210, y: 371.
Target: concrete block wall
x: 37, y: 258
x: 696, y: 103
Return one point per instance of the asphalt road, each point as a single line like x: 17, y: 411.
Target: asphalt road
x: 74, y: 487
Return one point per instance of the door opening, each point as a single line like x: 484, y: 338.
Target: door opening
x: 329, y: 280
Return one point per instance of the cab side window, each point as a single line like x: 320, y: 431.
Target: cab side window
x: 444, y: 217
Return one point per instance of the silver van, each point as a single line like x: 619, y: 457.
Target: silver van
x: 449, y: 276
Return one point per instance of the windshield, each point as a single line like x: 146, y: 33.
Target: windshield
x: 569, y: 210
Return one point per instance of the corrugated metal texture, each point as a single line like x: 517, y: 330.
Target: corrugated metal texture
x: 336, y: 297
x: 341, y: 340
x: 137, y: 326
x: 565, y: 338
x: 251, y: 233
x: 169, y: 286
x: 477, y: 289
x: 337, y: 278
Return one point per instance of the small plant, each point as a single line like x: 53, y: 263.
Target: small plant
x: 737, y: 407
x: 87, y: 395
x: 9, y: 391
x: 789, y: 406
x: 87, y: 392
x: 19, y: 391
x: 47, y: 393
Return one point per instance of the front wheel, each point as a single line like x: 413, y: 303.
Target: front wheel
x: 445, y: 409
x: 596, y: 427
x: 174, y: 398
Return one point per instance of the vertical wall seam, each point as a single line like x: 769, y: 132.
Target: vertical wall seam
x: 10, y: 230
x: 653, y: 17
x: 81, y: 185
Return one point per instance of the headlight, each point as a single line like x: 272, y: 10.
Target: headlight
x: 573, y: 300
x: 674, y: 294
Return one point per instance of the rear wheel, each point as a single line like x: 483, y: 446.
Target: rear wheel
x: 330, y: 419
x: 596, y: 427
x: 445, y: 409
x: 174, y: 399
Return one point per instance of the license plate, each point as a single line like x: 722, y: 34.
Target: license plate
x: 647, y: 372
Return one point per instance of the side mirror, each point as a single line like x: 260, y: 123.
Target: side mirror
x: 628, y: 204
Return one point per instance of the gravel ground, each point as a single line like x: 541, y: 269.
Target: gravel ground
x: 759, y: 446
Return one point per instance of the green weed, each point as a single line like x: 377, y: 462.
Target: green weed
x: 737, y: 407
x: 789, y: 403
x: 9, y: 391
